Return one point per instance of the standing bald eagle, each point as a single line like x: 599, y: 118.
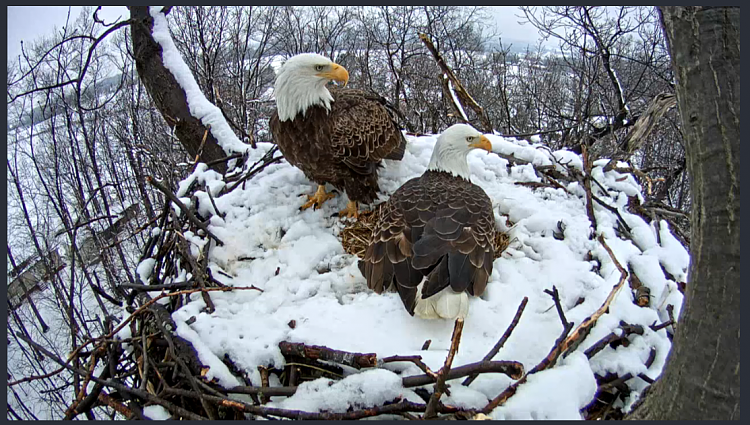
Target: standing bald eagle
x: 433, y: 241
x: 334, y: 135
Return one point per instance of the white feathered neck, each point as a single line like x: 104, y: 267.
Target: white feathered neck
x: 451, y: 149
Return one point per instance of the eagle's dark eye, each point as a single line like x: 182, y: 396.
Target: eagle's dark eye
x: 319, y: 67
x: 470, y: 139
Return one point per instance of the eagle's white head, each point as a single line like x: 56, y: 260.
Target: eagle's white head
x: 301, y: 83
x: 452, y: 147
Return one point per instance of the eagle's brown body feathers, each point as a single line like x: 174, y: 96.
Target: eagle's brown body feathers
x: 439, y: 227
x: 343, y: 146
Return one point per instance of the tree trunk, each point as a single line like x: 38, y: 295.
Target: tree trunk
x: 167, y: 94
x: 702, y: 376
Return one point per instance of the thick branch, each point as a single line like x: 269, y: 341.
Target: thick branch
x: 463, y: 96
x: 168, y: 96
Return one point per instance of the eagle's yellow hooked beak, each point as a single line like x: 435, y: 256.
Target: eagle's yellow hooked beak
x: 483, y: 143
x: 337, y: 73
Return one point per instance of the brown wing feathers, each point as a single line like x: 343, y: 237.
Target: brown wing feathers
x: 435, y: 227
x: 343, y: 146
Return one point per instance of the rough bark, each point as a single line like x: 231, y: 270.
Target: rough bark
x: 168, y: 96
x: 702, y: 375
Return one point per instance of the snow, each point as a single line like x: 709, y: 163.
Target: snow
x: 363, y: 390
x: 200, y: 107
x: 455, y: 98
x: 144, y: 269
x: 297, y: 259
x: 536, y: 400
x: 156, y: 412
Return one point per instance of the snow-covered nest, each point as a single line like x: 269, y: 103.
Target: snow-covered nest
x: 313, y: 292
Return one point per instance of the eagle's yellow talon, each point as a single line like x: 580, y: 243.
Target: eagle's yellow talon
x: 351, y: 211
x: 317, y: 199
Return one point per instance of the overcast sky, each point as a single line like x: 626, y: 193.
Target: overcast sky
x: 28, y: 23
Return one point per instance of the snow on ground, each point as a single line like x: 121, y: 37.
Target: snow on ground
x: 296, y: 257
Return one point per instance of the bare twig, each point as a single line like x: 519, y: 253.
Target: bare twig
x: 613, y: 337
x: 510, y: 368
x: 394, y: 408
x: 585, y: 327
x: 117, y: 386
x: 264, y: 397
x: 440, y: 388
x: 670, y: 312
x: 501, y: 342
x: 317, y: 352
x: 183, y: 208
x: 661, y: 326
x: 463, y: 95
x: 587, y: 186
x: 558, y: 305
x: 259, y: 166
x: 151, y: 302
x: 548, y: 361
x: 417, y: 360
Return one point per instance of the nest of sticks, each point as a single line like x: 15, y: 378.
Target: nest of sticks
x: 152, y: 365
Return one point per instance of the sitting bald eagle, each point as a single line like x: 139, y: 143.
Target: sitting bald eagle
x: 433, y: 241
x: 334, y: 135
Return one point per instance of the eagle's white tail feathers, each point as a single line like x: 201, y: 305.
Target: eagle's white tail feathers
x: 446, y: 304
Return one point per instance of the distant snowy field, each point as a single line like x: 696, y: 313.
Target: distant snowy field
x: 299, y: 262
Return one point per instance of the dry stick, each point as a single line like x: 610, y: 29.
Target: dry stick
x: 440, y: 388
x: 36, y: 377
x: 317, y: 352
x: 213, y: 203
x: 151, y: 302
x: 183, y: 208
x: 71, y: 411
x: 264, y: 397
x: 226, y: 158
x: 612, y: 209
x: 265, y: 391
x: 670, y: 312
x: 628, y: 376
x: 186, y: 370
x: 613, y: 337
x: 558, y: 305
x: 540, y: 170
x: 197, y: 271
x: 144, y: 358
x: 548, y: 361
x: 500, y: 343
x: 463, y: 96
x: 510, y: 368
x: 200, y: 148
x: 117, y: 386
x: 417, y: 360
x: 661, y: 326
x: 585, y: 327
x: 116, y: 405
x: 401, y: 406
x: 265, y: 161
x: 151, y: 288
x: 587, y: 186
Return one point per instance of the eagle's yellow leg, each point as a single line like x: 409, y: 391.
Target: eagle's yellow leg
x: 317, y: 199
x: 351, y: 210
